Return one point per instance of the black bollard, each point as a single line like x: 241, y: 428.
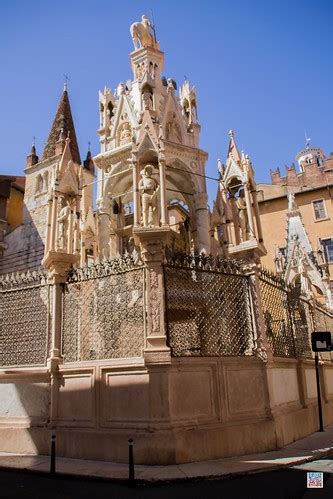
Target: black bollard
x: 53, y: 455
x: 320, y: 411
x: 131, y: 476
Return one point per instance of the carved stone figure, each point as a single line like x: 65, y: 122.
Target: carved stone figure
x: 142, y: 33
x: 279, y: 262
x: 291, y: 202
x: 63, y: 218
x: 242, y: 217
x: 147, y: 100
x: 125, y: 134
x: 148, y: 188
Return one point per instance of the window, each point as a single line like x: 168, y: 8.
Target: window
x: 319, y: 209
x: 38, y: 184
x: 328, y: 248
x: 46, y: 181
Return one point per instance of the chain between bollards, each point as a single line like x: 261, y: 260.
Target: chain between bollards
x: 131, y: 476
x: 53, y: 456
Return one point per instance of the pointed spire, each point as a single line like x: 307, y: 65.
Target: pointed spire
x: 88, y: 163
x: 233, y: 152
x: 32, y: 158
x: 62, y: 127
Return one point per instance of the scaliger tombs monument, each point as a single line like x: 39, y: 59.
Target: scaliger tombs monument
x: 148, y: 315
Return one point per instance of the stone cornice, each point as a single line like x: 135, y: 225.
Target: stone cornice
x: 42, y: 164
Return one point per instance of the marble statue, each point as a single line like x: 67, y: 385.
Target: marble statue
x: 142, y: 34
x: 242, y: 217
x: 125, y: 134
x: 147, y: 100
x: 279, y: 262
x: 148, y: 188
x: 63, y: 218
x: 291, y: 201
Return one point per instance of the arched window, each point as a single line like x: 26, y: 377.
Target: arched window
x: 151, y: 69
x: 39, y: 184
x: 110, y: 111
x: 46, y: 181
x: 101, y: 114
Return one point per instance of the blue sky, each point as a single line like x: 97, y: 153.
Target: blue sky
x: 262, y: 68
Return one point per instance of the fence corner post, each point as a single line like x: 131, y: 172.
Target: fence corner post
x: 262, y: 348
x: 57, y: 265
x: 152, y: 243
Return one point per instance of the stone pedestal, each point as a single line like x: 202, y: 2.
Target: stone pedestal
x: 262, y: 348
x: 250, y: 250
x: 57, y: 263
x: 152, y: 241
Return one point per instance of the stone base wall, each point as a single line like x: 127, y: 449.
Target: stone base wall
x: 194, y: 409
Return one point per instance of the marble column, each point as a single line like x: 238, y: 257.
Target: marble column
x: 164, y: 208
x: 136, y: 197
x: 202, y: 223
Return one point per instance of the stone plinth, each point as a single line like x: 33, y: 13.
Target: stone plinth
x: 152, y: 241
x: 58, y: 262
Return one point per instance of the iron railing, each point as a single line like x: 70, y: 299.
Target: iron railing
x: 103, y: 311
x: 208, y: 306
x: 287, y: 317
x: 24, y: 319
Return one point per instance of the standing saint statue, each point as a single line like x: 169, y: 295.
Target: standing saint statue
x: 242, y: 217
x: 63, y: 219
x: 149, y: 188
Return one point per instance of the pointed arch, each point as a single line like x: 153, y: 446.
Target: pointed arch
x: 38, y: 184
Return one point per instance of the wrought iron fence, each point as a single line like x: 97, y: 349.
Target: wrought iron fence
x: 287, y: 317
x: 103, y: 311
x: 24, y: 319
x: 301, y: 315
x: 323, y: 320
x: 208, y: 306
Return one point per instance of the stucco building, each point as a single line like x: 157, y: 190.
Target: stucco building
x: 298, y: 232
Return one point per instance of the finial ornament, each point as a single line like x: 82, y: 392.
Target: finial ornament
x: 66, y: 82
x: 231, y: 134
x: 220, y: 168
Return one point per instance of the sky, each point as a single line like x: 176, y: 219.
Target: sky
x: 261, y: 68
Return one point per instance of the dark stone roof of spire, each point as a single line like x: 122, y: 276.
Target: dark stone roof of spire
x: 88, y: 163
x: 63, y: 120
